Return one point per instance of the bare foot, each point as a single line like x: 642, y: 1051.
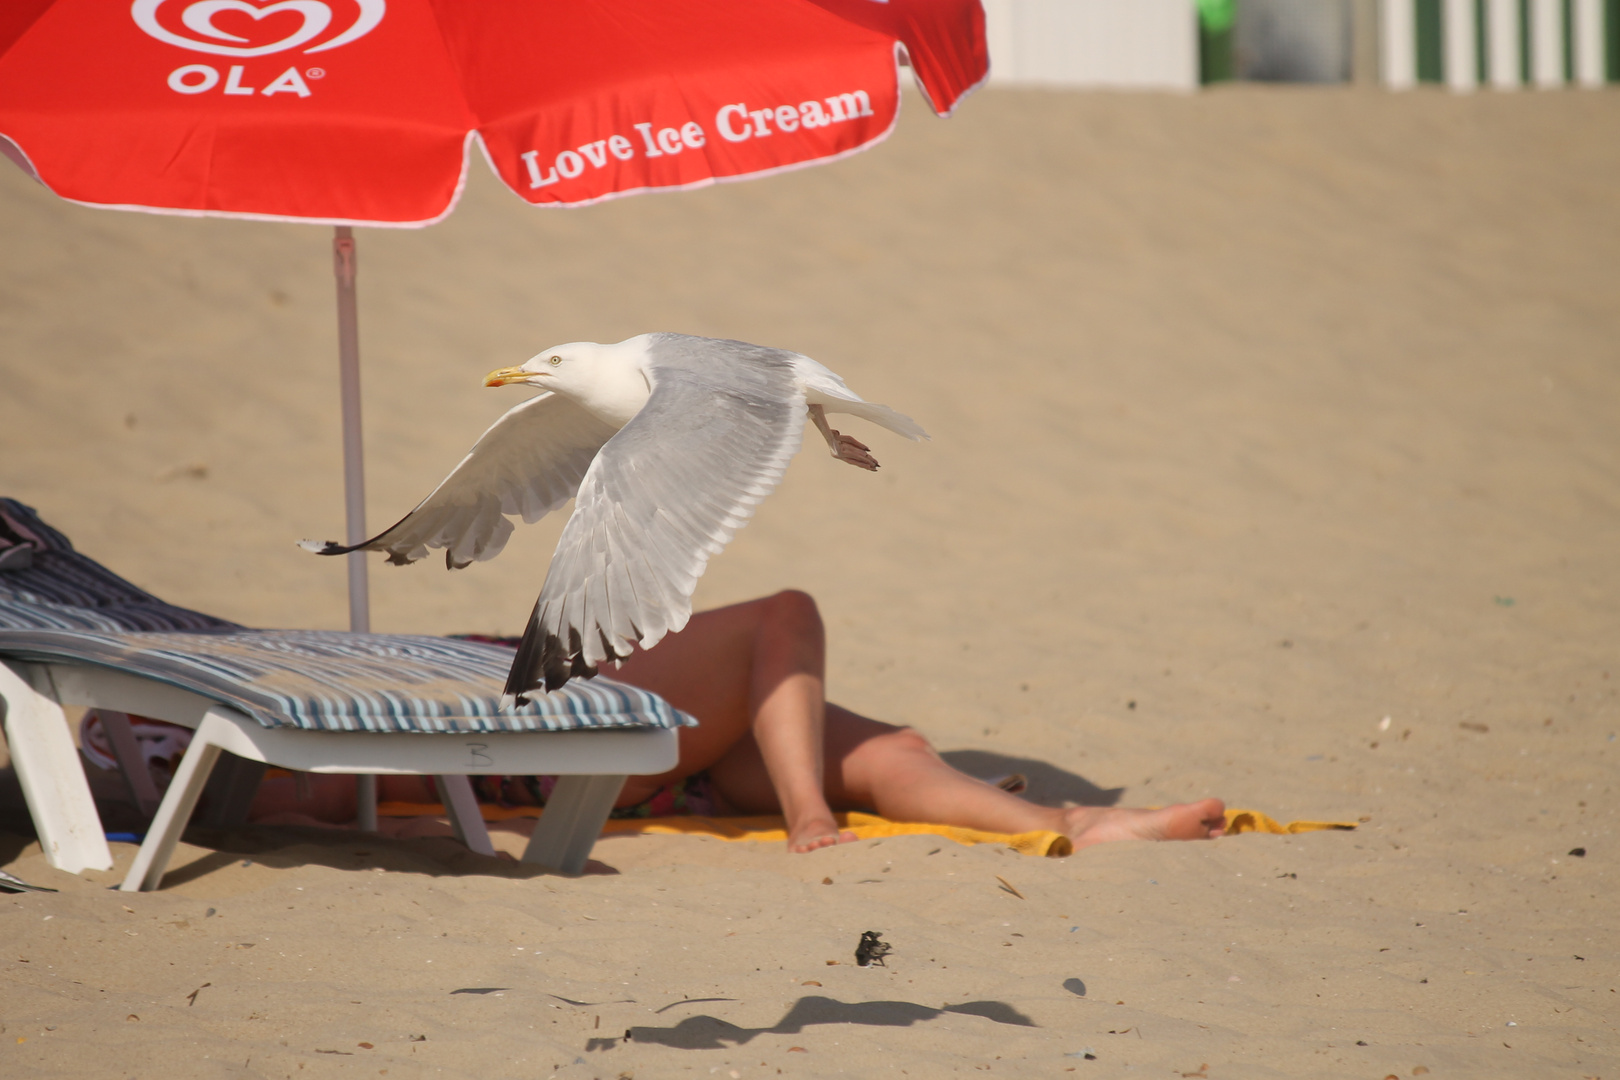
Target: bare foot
x: 816, y: 833
x: 1202, y: 820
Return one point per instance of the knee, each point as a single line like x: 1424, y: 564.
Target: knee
x: 794, y: 613
x: 904, y: 740
x: 882, y: 759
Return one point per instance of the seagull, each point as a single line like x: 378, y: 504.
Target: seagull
x: 666, y: 443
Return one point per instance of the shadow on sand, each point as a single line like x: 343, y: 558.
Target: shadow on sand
x: 285, y: 847
x: 711, y: 1033
x: 1048, y: 784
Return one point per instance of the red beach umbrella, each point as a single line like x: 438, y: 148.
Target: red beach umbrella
x: 363, y: 112
x: 366, y: 112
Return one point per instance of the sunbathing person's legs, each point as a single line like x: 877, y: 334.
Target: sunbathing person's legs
x: 895, y: 772
x: 753, y: 674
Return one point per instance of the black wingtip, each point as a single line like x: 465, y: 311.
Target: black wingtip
x: 526, y: 664
x: 332, y: 547
x: 560, y: 665
x: 544, y: 662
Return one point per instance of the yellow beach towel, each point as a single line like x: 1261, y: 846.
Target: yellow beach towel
x: 866, y: 826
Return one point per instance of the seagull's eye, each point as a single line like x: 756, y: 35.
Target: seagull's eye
x: 555, y: 360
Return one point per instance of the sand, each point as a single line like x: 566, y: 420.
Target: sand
x: 1260, y: 416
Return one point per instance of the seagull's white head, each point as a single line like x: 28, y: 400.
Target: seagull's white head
x: 609, y: 381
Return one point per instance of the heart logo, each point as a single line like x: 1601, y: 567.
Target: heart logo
x: 315, y: 18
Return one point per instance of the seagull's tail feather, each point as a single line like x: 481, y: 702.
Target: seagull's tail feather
x: 825, y: 388
x: 882, y: 416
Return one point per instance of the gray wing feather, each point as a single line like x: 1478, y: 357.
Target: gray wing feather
x: 527, y: 464
x: 664, y: 495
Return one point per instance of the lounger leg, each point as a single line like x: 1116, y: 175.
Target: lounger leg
x: 462, y: 805
x: 230, y: 791
x: 175, y: 810
x: 573, y: 819
x: 48, y: 769
x: 365, y: 798
x: 131, y: 762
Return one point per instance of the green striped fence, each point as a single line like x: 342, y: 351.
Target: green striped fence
x: 1503, y: 44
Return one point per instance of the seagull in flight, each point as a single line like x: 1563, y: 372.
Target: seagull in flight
x: 666, y: 443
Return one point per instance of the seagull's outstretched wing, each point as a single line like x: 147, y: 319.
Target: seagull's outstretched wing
x: 527, y: 464
x: 665, y: 494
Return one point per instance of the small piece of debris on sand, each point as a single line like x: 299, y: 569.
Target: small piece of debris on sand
x: 1005, y: 884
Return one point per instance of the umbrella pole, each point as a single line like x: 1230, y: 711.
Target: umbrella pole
x: 354, y: 471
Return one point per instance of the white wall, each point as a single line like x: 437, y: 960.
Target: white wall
x: 1127, y: 44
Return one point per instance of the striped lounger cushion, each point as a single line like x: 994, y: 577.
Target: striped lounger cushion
x: 59, y: 606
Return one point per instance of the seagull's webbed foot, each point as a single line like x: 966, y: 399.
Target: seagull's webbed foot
x: 843, y: 447
x: 855, y: 452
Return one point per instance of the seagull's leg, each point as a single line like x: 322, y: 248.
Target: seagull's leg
x: 843, y: 447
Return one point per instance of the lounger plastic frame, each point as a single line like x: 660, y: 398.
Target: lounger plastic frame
x: 592, y: 765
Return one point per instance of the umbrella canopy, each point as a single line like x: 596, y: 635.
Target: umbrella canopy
x: 365, y: 111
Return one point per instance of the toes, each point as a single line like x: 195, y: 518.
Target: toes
x: 799, y: 847
x: 803, y: 846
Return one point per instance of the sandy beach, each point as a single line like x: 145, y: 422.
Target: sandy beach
x: 1275, y: 457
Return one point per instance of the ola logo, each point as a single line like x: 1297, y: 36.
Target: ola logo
x: 239, y: 28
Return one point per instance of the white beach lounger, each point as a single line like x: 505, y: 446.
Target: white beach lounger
x: 72, y: 632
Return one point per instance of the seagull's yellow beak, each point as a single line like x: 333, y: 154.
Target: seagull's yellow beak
x: 502, y: 376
